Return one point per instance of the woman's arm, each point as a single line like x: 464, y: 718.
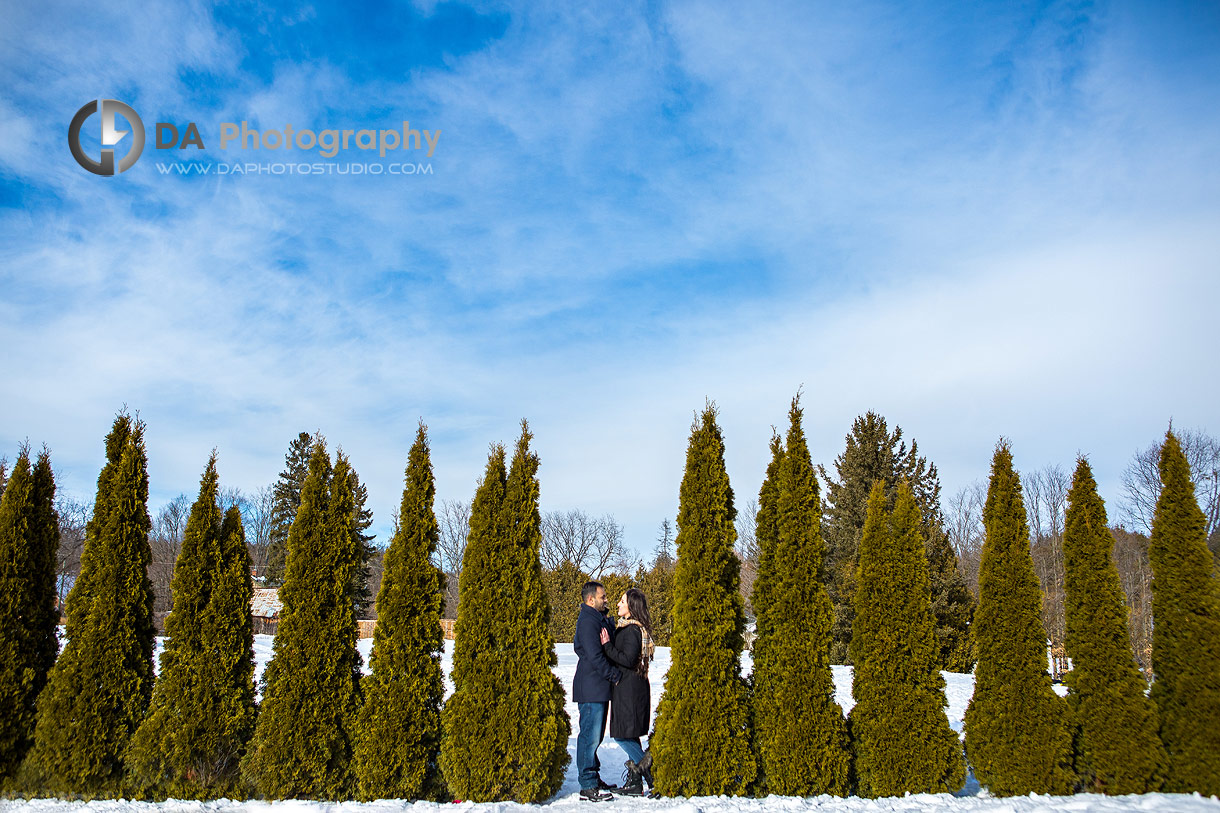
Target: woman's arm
x: 624, y: 650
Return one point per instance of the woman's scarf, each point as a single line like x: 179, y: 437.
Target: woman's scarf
x: 647, y: 648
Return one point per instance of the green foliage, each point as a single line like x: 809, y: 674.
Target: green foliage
x: 362, y: 520
x: 286, y: 495
x: 1186, y: 633
x: 657, y: 583
x: 98, y: 691
x: 202, y: 712
x: 800, y: 734
x: 902, y: 738
x: 875, y: 453
x: 1118, y: 749
x: 952, y: 602
x: 29, y: 539
x: 562, y: 586
x: 399, y: 737
x: 1017, y: 737
x: 506, y: 731
x: 767, y: 538
x: 302, y: 743
x: 701, y: 745
x: 616, y: 584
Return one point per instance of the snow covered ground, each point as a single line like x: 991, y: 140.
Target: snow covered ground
x: 958, y: 690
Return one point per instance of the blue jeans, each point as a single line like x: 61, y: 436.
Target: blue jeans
x: 592, y: 730
x: 635, y: 751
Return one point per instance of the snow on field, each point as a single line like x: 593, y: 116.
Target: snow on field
x: 957, y: 693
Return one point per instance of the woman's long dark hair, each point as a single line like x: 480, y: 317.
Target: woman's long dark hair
x: 637, y: 605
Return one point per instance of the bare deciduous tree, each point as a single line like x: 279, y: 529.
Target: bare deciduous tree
x: 166, y: 542
x: 258, y: 519
x: 964, y: 525
x: 1045, y: 505
x: 73, y: 516
x: 1142, y: 483
x: 747, y: 550
x: 1135, y: 573
x: 594, y: 544
x: 454, y: 522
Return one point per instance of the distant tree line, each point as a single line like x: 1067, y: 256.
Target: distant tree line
x: 1046, y: 492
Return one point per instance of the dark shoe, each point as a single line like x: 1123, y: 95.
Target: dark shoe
x: 603, y: 785
x: 645, y: 767
x: 633, y: 781
x: 595, y: 795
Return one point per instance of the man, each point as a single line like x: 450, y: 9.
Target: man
x: 591, y: 689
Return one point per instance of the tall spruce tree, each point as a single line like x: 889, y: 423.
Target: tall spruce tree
x: 701, y: 745
x: 362, y: 520
x: 399, y: 736
x: 657, y: 583
x: 286, y: 501
x: 1118, y: 749
x: 202, y: 710
x: 903, y: 741
x: 1186, y: 633
x: 506, y: 730
x: 302, y: 743
x: 799, y: 730
x: 98, y: 691
x: 1017, y: 735
x: 29, y: 540
x: 873, y: 453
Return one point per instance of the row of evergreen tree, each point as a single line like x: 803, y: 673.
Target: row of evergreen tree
x: 100, y: 726
x: 781, y: 731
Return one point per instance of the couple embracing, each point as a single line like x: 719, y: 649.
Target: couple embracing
x: 612, y: 675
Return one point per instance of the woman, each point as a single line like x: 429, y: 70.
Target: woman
x: 631, y: 698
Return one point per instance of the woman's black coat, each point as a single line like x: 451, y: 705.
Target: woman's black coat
x: 631, y: 700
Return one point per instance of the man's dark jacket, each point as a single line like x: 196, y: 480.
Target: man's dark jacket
x: 594, y: 674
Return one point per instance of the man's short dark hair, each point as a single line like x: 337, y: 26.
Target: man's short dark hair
x: 590, y: 590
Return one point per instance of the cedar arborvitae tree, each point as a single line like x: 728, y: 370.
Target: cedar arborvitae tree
x: 701, y: 745
x: 98, y: 691
x: 1017, y: 735
x: 766, y: 539
x: 506, y: 730
x: 399, y: 736
x: 799, y: 730
x: 1118, y: 748
x: 229, y: 637
x: 202, y: 712
x: 902, y: 739
x: 875, y: 453
x: 1186, y: 633
x: 302, y: 743
x: 29, y: 539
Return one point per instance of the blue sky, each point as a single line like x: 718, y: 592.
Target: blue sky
x: 978, y: 220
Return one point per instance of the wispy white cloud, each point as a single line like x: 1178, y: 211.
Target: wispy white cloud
x: 975, y: 225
